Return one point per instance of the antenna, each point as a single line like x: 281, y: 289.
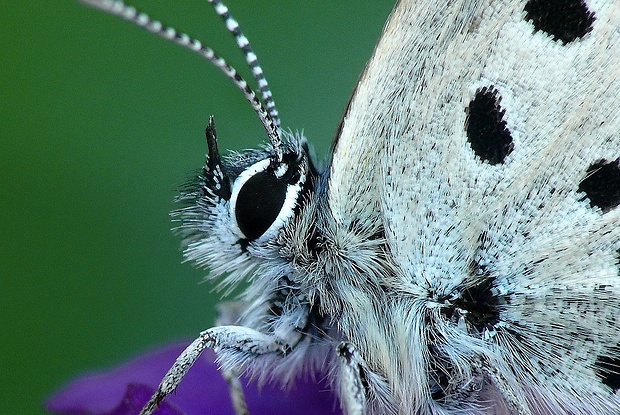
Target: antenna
x: 131, y: 14
x: 250, y: 58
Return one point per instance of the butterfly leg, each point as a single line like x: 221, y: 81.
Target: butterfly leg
x: 353, y: 393
x: 236, y: 391
x: 513, y: 400
x: 234, y: 343
x: 228, y: 314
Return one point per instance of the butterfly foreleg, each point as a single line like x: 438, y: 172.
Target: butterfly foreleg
x: 233, y: 344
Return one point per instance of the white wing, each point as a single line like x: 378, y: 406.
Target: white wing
x: 484, y: 137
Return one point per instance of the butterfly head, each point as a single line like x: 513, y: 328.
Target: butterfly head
x: 242, y: 203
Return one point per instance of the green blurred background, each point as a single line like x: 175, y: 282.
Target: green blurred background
x: 100, y: 122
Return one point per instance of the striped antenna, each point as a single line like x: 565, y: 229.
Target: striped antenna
x: 131, y: 14
x: 250, y: 57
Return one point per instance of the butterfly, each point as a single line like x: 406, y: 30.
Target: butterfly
x: 459, y: 253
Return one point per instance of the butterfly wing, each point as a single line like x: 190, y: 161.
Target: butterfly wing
x: 483, y: 142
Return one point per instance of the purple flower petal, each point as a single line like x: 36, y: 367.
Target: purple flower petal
x: 125, y: 389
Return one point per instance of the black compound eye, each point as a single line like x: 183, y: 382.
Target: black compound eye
x: 264, y: 196
x: 259, y: 202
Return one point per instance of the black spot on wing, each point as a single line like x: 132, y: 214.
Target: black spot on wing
x: 486, y: 129
x: 602, y: 185
x: 563, y: 20
x: 481, y: 305
x: 477, y: 300
x: 608, y: 369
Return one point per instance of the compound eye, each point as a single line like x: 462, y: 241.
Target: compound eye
x: 264, y: 196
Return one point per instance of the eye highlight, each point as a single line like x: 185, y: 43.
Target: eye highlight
x: 264, y: 195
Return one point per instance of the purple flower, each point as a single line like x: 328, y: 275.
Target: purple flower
x: 125, y: 389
